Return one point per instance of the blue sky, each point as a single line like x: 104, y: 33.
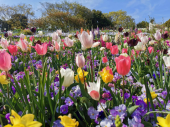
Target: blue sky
x: 138, y: 9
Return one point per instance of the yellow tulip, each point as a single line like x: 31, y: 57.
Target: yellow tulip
x: 66, y: 121
x: 3, y: 79
x: 25, y: 121
x: 106, y: 76
x: 81, y: 75
x: 164, y: 122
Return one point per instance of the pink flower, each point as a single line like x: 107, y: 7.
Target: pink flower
x: 68, y: 42
x: 5, y: 61
x: 13, y: 49
x: 41, y: 49
x: 150, y: 49
x: 123, y: 65
x: 4, y: 43
x: 114, y: 49
x: 104, y: 59
x: 31, y: 38
x: 124, y: 50
x: 108, y: 45
x: 80, y: 60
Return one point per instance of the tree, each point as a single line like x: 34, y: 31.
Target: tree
x: 143, y: 24
x: 167, y: 24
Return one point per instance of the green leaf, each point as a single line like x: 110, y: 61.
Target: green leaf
x: 146, y: 124
x: 131, y: 110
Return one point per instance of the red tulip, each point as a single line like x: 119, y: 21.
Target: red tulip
x: 104, y: 59
x: 41, y: 49
x: 150, y: 49
x: 124, y: 50
x: 123, y: 65
x: 13, y: 49
x: 108, y: 45
x: 5, y: 61
x: 114, y: 49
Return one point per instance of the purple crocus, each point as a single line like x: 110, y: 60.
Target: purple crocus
x: 64, y: 109
x: 92, y: 112
x: 142, y: 105
x: 68, y: 101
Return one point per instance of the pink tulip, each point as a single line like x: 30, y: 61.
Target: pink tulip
x: 13, y: 49
x: 114, y: 49
x: 23, y: 45
x: 68, y: 42
x: 5, y: 61
x: 133, y: 52
x: 41, y: 49
x: 104, y: 59
x: 157, y: 35
x: 57, y: 46
x: 80, y: 60
x: 86, y: 39
x: 123, y: 65
x: 150, y: 49
x: 31, y: 38
x: 59, y: 32
x: 22, y: 36
x: 4, y: 43
x: 124, y: 50
x: 108, y: 45
x: 51, y: 48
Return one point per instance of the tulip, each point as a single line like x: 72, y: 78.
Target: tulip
x: 57, y: 44
x: 102, y: 48
x: 126, y: 34
x: 108, y: 45
x: 96, y: 32
x: 114, y: 49
x: 94, y: 89
x: 13, y: 49
x: 151, y: 42
x: 167, y: 61
x: 31, y: 38
x: 86, y: 39
x: 123, y: 65
x: 4, y: 43
x: 40, y: 33
x: 5, y: 61
x: 23, y: 45
x: 70, y: 35
x: 41, y: 49
x: 54, y: 36
x: 9, y: 33
x: 165, y: 36
x: 132, y: 42
x: 22, y: 36
x: 144, y: 39
x: 157, y: 35
x: 51, y: 48
x: 139, y: 46
x: 68, y: 75
x: 124, y: 50
x: 104, y: 59
x: 59, y: 32
x: 164, y: 122
x: 150, y: 49
x: 68, y: 42
x: 33, y: 29
x: 95, y: 44
x: 105, y: 37
x: 120, y: 29
x: 80, y: 60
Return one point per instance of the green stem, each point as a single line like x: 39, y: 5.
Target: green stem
x: 91, y: 66
x: 103, y: 109
x: 123, y: 90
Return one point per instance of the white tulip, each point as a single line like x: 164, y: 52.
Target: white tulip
x: 9, y: 33
x: 59, y: 32
x: 105, y: 37
x: 54, y: 36
x: 152, y: 42
x: 70, y: 35
x: 167, y: 61
x: 102, y: 48
x: 40, y: 33
x: 139, y: 46
x: 68, y: 75
x: 144, y: 39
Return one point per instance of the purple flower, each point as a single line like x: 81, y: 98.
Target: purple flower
x: 92, y: 112
x: 121, y: 109
x: 57, y: 124
x: 7, y: 117
x: 135, y: 122
x: 68, y: 101
x: 106, y: 123
x: 64, y: 109
x: 142, y: 105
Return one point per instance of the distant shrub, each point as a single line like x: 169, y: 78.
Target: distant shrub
x: 27, y: 32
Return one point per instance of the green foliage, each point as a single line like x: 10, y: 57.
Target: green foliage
x: 143, y: 24
x: 27, y: 32
x: 167, y: 23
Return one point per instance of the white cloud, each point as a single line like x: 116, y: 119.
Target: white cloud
x: 131, y: 3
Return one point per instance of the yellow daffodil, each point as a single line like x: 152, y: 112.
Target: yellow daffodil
x: 81, y: 75
x: 3, y: 79
x: 67, y: 121
x: 164, y: 122
x: 25, y: 121
x: 106, y: 76
x: 57, y: 56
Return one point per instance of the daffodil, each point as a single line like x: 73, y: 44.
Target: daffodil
x: 81, y: 75
x: 25, y: 121
x: 3, y: 79
x: 153, y: 95
x: 164, y: 122
x: 67, y: 121
x: 106, y: 76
